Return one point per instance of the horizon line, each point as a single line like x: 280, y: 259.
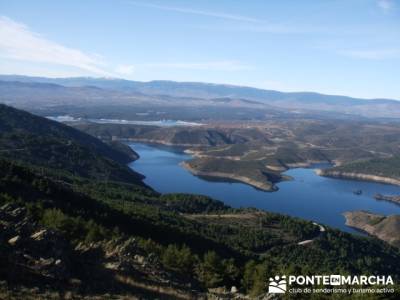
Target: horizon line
x: 202, y: 82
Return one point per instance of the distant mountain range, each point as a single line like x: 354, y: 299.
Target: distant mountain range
x: 120, y: 91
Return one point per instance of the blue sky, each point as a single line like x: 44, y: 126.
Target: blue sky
x: 349, y: 47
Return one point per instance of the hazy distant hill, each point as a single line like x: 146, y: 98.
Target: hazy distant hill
x: 119, y: 89
x: 195, y: 89
x: 50, y: 99
x: 42, y: 93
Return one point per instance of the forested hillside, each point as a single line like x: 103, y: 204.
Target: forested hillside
x: 46, y: 143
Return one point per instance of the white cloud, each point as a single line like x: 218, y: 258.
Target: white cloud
x: 246, y: 23
x: 375, y: 54
x: 385, y: 5
x: 125, y: 69
x: 219, y: 15
x: 210, y: 66
x: 18, y: 42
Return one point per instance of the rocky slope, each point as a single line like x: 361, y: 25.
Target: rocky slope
x: 35, y: 258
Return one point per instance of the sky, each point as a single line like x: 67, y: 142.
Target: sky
x: 346, y: 47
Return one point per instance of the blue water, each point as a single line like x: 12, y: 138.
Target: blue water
x: 308, y: 195
x: 161, y: 123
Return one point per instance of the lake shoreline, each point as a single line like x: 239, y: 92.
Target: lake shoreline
x: 300, y: 197
x: 357, y: 176
x: 261, y: 185
x: 377, y: 225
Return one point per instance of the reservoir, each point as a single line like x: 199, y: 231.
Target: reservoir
x: 307, y: 196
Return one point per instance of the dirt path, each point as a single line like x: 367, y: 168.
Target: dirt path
x: 321, y: 231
